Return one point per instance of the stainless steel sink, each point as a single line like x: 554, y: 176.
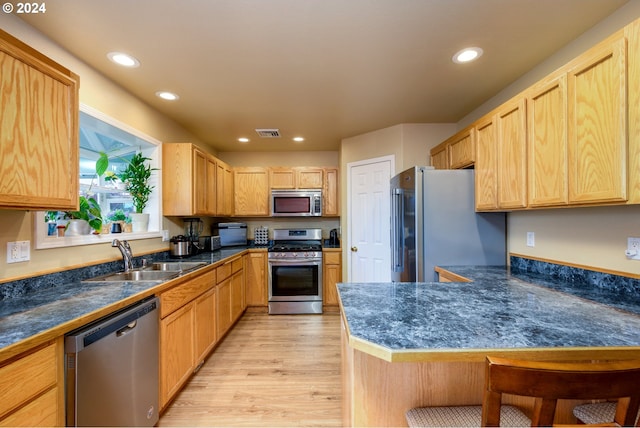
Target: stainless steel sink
x: 173, y: 266
x: 136, y: 275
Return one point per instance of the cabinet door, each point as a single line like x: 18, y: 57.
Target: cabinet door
x: 330, y: 193
x: 177, y: 351
x: 251, y: 191
x: 598, y: 124
x: 486, y: 167
x: 205, y: 324
x: 177, y: 179
x: 39, y: 132
x: 309, y: 178
x: 633, y: 64
x: 462, y: 150
x: 224, y: 189
x: 512, y: 145
x: 200, y: 177
x: 255, y: 268
x: 332, y: 274
x: 440, y: 157
x: 223, y: 307
x: 237, y: 295
x: 547, y: 144
x: 282, y: 178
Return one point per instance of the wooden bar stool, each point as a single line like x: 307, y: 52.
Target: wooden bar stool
x: 547, y: 382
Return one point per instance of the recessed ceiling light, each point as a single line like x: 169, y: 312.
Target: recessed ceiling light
x: 123, y: 59
x: 467, y: 55
x: 243, y: 139
x: 298, y: 139
x: 169, y: 96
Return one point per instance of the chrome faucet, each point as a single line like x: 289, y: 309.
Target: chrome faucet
x: 125, y: 249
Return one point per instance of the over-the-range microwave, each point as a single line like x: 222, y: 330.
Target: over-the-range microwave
x: 296, y: 203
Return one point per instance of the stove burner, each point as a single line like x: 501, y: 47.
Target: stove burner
x: 295, y: 247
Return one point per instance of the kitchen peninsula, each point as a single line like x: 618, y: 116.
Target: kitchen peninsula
x: 407, y: 345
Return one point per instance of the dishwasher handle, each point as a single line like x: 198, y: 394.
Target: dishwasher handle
x: 120, y: 323
x: 127, y: 328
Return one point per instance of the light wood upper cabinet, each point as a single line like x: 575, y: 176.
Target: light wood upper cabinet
x: 547, y: 137
x: 486, y: 165
x: 251, y: 191
x: 330, y: 193
x: 597, y: 131
x: 455, y: 152
x: 440, y: 156
x: 188, y: 181
x: 224, y: 188
x: 633, y: 69
x: 462, y: 151
x: 309, y: 178
x: 512, y: 145
x: 39, y: 132
x: 296, y: 177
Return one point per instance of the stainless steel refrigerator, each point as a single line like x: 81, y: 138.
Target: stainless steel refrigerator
x: 433, y: 222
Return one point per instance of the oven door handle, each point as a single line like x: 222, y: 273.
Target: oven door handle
x: 288, y: 262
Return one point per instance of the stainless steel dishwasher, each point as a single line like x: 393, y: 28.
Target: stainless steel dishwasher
x: 111, y: 369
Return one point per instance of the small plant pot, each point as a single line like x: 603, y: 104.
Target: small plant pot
x: 116, y: 227
x: 60, y: 230
x: 139, y: 222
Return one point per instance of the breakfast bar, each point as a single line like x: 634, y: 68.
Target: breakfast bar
x: 407, y: 345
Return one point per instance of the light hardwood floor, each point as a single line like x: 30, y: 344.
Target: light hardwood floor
x: 276, y: 371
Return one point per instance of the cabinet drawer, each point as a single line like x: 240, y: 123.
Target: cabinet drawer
x: 232, y: 266
x: 332, y: 258
x: 27, y: 377
x: 185, y: 292
x: 41, y: 412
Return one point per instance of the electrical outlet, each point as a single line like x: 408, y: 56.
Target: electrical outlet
x: 531, y: 239
x: 18, y: 251
x: 165, y: 235
x: 633, y: 248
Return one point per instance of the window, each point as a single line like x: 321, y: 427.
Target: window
x: 101, y: 133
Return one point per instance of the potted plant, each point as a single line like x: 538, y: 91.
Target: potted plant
x: 136, y: 178
x: 118, y: 219
x: 51, y: 218
x: 87, y: 217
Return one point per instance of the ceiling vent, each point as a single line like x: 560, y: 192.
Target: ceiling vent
x: 268, y: 132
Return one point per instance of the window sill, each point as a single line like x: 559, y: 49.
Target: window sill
x: 70, y: 241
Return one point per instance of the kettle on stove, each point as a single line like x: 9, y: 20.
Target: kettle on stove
x: 333, y: 238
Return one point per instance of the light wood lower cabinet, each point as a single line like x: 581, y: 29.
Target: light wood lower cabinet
x: 32, y: 388
x: 230, y: 299
x: 255, y: 270
x: 187, y: 331
x: 177, y: 353
x: 331, y: 275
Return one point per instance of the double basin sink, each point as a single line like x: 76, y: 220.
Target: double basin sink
x: 161, y: 271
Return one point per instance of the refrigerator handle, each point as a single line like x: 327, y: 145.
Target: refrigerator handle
x: 397, y: 214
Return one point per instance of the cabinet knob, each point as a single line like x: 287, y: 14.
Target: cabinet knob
x: 354, y: 249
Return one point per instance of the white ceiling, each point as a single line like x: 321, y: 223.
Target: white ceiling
x: 323, y: 69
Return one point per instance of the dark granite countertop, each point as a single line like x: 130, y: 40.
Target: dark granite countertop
x: 24, y: 315
x: 497, y: 311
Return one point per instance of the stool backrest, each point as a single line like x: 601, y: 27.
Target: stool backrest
x: 551, y: 381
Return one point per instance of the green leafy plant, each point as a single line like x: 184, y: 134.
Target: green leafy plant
x: 118, y: 215
x: 88, y: 210
x: 136, y: 178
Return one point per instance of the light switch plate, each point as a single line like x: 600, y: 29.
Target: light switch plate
x: 531, y: 239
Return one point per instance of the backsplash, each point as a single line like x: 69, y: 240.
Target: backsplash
x: 575, y: 275
x: 26, y: 286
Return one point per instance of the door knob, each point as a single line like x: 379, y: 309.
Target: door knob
x: 354, y: 249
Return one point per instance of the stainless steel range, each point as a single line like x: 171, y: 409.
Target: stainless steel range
x: 295, y: 272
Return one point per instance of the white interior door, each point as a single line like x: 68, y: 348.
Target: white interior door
x: 368, y: 214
